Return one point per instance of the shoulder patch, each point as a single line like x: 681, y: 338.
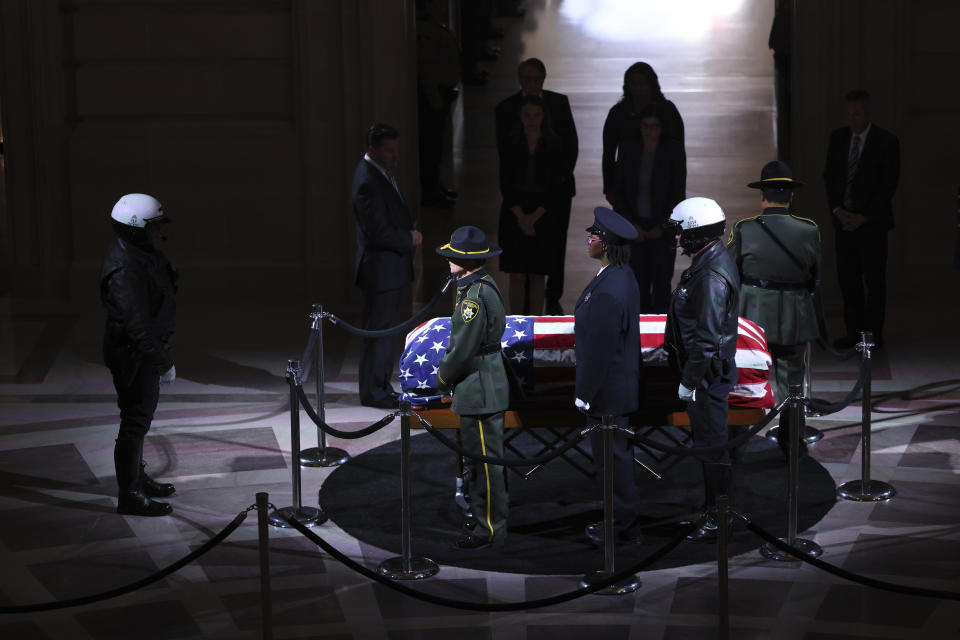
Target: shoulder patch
x: 469, y: 310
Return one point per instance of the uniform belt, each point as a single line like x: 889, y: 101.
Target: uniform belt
x: 773, y: 284
x: 487, y: 349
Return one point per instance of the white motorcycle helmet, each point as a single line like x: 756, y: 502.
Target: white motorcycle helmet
x: 138, y: 209
x: 697, y: 221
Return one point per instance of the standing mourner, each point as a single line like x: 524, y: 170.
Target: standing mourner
x: 138, y: 288
x: 701, y: 337
x: 608, y: 354
x: 384, y: 267
x: 531, y: 74
x: 649, y: 182
x: 778, y: 258
x: 473, y: 367
x: 861, y: 175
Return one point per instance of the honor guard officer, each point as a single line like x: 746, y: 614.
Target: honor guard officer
x: 701, y: 338
x: 778, y: 257
x: 607, y: 343
x: 137, y: 287
x: 473, y: 367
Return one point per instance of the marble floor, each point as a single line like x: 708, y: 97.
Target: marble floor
x: 222, y: 431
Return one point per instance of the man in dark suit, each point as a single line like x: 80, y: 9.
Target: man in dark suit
x: 607, y: 344
x: 861, y: 175
x: 531, y: 74
x: 384, y: 266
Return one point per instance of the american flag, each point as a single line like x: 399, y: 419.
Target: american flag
x: 540, y: 350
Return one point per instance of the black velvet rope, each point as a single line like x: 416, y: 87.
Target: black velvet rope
x: 846, y: 354
x: 506, y: 462
x: 825, y: 408
x: 730, y: 444
x: 345, y: 435
x: 133, y: 586
x: 477, y: 606
x: 404, y: 326
x: 847, y: 575
x: 308, y: 353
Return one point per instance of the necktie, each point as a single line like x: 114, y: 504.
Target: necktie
x: 852, y: 161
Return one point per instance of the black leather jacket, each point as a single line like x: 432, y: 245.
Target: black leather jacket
x: 702, y: 320
x: 137, y: 288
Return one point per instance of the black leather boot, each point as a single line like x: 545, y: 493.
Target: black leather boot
x: 132, y: 500
x: 152, y: 488
x: 717, y: 481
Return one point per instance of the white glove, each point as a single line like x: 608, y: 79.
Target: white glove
x: 169, y: 376
x: 685, y: 394
x: 580, y: 404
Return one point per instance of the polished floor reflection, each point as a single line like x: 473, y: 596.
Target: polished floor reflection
x: 222, y: 431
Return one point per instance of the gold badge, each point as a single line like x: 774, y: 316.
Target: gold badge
x: 469, y: 310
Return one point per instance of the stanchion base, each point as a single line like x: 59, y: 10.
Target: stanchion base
x: 874, y: 491
x: 328, y: 457
x: 420, y: 568
x: 810, y: 434
x: 629, y: 585
x: 307, y: 516
x: 809, y: 547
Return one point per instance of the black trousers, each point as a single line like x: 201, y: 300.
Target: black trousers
x: 652, y: 264
x: 862, y: 273
x: 624, y: 480
x: 708, y: 413
x: 554, y: 288
x: 137, y: 398
x: 378, y: 360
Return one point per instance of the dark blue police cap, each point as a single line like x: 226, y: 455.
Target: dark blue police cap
x: 612, y: 227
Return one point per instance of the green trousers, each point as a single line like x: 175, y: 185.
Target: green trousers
x: 483, y: 435
x: 789, y: 364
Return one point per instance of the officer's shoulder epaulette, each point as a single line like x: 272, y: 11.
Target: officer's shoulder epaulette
x: 802, y: 219
x: 747, y: 219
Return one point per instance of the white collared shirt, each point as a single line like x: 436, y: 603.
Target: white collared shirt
x: 386, y: 174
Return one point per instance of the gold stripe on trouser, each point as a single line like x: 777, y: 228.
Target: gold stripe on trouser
x: 486, y: 472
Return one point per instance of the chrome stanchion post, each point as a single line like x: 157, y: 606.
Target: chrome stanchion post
x: 809, y: 547
x: 263, y: 545
x: 723, y: 597
x: 865, y: 489
x: 406, y: 567
x: 631, y: 583
x: 321, y: 455
x: 307, y: 516
x: 810, y: 434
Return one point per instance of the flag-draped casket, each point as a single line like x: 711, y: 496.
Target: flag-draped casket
x: 540, y: 351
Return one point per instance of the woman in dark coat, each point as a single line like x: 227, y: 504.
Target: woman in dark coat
x: 640, y: 88
x: 649, y: 181
x: 531, y: 176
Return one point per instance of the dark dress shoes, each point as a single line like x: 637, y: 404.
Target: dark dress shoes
x: 473, y: 543
x: 709, y: 530
x: 136, y: 503
x: 594, y: 534
x: 152, y: 488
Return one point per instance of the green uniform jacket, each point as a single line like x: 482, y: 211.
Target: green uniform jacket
x: 775, y: 291
x: 473, y: 365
